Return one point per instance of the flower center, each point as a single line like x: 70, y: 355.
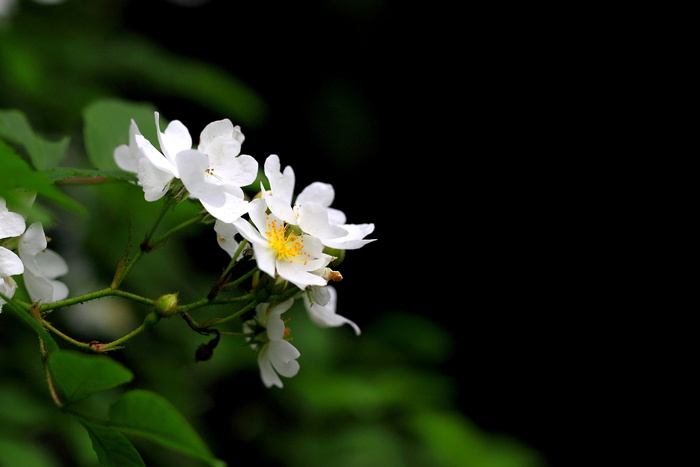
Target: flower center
x: 210, y: 173
x: 288, y: 245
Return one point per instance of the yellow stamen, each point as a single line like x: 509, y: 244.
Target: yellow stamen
x: 288, y: 245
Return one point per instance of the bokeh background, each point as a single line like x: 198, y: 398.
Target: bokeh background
x: 454, y: 366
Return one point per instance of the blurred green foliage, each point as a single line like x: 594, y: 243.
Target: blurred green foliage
x: 379, y: 399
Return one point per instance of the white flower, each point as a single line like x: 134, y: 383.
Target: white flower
x: 268, y: 333
x: 279, y: 250
x: 213, y: 173
x: 41, y: 266
x: 11, y: 225
x: 321, y: 304
x: 311, y: 210
x: 216, y: 171
x: 155, y: 169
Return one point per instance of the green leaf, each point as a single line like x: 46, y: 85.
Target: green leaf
x: 63, y: 174
x: 17, y: 174
x: 107, y: 126
x: 25, y: 316
x: 144, y: 413
x: 79, y: 375
x: 44, y: 154
x: 113, y: 449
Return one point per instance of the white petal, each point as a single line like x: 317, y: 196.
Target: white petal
x: 336, y: 217
x: 313, y: 219
x: 297, y: 275
x: 192, y: 166
x: 275, y: 325
x: 283, y: 357
x: 127, y: 156
x: 281, y: 184
x: 236, y: 170
x: 10, y: 263
x: 60, y: 291
x: 354, y: 238
x: 257, y: 214
x: 155, y: 157
x: 317, y: 192
x: 39, y: 287
x: 51, y: 264
x: 11, y: 223
x: 174, y: 139
x: 154, y: 181
x: 218, y: 129
x: 267, y: 374
x: 7, y: 288
x: 33, y: 241
x: 225, y: 236
x: 280, y: 208
x: 325, y: 316
x: 249, y: 232
x: 266, y: 259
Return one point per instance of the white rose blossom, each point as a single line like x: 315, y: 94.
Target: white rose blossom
x: 213, y: 173
x: 279, y: 251
x: 41, y: 266
x: 11, y: 225
x: 311, y: 210
x: 276, y: 356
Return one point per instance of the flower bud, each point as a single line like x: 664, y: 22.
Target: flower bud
x: 166, y: 305
x: 151, y: 319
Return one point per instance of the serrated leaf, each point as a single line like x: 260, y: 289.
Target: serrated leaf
x: 147, y: 414
x: 113, y: 449
x: 44, y: 154
x: 79, y: 375
x: 107, y: 126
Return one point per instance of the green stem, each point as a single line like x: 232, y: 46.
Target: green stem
x: 94, y: 295
x: 230, y: 285
x: 234, y: 258
x: 145, y: 246
x: 75, y: 342
x: 179, y: 227
x: 115, y: 344
x: 217, y: 321
x: 205, y: 301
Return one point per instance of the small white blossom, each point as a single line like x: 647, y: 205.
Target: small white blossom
x: 268, y: 334
x: 321, y: 304
x: 311, y: 210
x: 41, y: 266
x: 213, y: 173
x: 279, y: 250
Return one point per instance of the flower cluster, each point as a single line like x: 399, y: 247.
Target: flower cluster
x: 294, y: 240
x: 38, y: 265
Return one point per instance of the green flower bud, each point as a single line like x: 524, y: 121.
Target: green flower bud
x: 151, y: 319
x: 166, y: 305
